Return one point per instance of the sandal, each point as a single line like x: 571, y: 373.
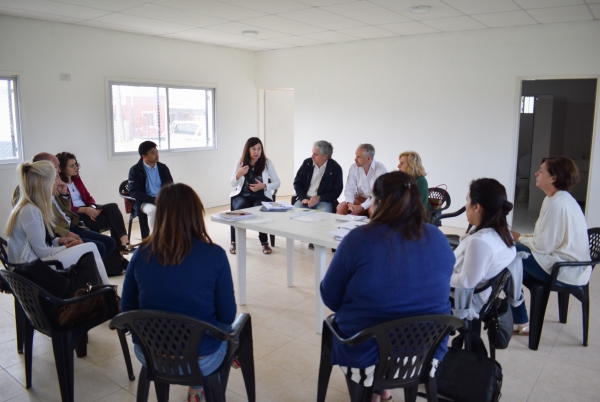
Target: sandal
x: 266, y: 248
x: 126, y: 248
x: 521, y: 329
x: 196, y: 397
x: 232, y: 248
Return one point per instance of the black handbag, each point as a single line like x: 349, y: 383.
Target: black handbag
x: 40, y: 273
x: 499, y: 325
x: 468, y: 376
x: 84, y: 272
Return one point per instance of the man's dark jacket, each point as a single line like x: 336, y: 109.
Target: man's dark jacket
x: 332, y: 182
x: 137, y: 182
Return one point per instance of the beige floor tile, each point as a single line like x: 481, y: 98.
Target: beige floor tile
x: 266, y: 341
x: 26, y: 397
x: 288, y: 323
x: 515, y: 388
x: 546, y: 393
x: 9, y: 387
x: 285, y: 297
x: 570, y: 378
x: 10, y: 357
x: 259, y: 309
x: 296, y: 356
x: 119, y: 396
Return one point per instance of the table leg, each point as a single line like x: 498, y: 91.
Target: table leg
x: 289, y: 244
x: 320, y: 261
x: 240, y: 242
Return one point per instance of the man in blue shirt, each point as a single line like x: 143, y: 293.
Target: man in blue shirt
x: 145, y: 179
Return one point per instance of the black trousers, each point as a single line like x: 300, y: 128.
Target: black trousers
x: 241, y: 202
x: 110, y: 218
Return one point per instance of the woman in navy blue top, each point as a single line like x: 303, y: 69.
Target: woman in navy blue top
x: 394, y: 267
x: 179, y: 269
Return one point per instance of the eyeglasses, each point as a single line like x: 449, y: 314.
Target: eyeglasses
x: 77, y: 164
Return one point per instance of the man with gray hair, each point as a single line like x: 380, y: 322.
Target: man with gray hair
x: 319, y: 180
x: 361, y: 177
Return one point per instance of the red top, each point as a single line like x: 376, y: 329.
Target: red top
x: 85, y: 195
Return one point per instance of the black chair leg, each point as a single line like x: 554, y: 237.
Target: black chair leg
x: 63, y: 356
x: 563, y: 306
x: 20, y: 323
x: 131, y: 217
x: 246, y: 359
x: 324, y: 365
x: 585, y: 310
x: 539, y: 301
x: 143, y: 386
x: 410, y: 394
x: 162, y: 391
x: 272, y: 240
x: 126, y: 355
x: 358, y: 392
x: 81, y: 347
x: 212, y: 389
x: 431, y: 389
x: 28, y: 345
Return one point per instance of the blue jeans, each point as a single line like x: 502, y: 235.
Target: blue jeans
x: 322, y: 206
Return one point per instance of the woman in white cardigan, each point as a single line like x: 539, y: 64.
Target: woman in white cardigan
x: 489, y: 248
x: 560, y: 232
x: 29, y: 226
x: 254, y: 178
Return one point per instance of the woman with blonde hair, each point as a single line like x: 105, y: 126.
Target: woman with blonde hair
x: 410, y: 163
x: 29, y: 226
x: 179, y: 269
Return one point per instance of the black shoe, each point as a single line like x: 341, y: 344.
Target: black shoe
x: 311, y: 246
x: 333, y: 250
x: 124, y: 263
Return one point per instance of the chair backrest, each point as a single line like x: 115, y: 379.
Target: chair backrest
x: 406, y: 346
x: 170, y: 343
x: 440, y: 194
x: 594, y: 239
x: 4, y: 252
x: 124, y: 190
x: 497, y: 283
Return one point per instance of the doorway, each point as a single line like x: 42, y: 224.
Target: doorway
x: 557, y: 118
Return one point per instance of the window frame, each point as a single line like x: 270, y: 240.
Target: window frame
x: 17, y: 122
x: 167, y: 85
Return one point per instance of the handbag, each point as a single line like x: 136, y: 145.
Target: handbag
x: 469, y: 376
x: 87, y: 309
x: 499, y: 325
x: 40, y: 273
x: 82, y: 273
x: 437, y: 200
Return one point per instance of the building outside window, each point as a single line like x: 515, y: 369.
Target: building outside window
x: 10, y: 133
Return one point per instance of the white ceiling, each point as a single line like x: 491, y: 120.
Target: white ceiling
x: 291, y: 23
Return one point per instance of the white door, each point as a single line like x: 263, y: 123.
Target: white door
x: 279, y: 136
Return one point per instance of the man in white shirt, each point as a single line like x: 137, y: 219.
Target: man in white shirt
x: 361, y: 177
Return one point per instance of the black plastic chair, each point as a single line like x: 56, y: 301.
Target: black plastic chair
x: 453, y: 239
x: 41, y: 310
x: 438, y: 194
x: 142, y: 217
x: 406, y: 349
x: 540, y: 292
x: 170, y: 345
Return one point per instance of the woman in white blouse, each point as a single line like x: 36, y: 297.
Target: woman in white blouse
x: 29, y: 226
x: 560, y: 232
x: 488, y: 248
x: 254, y: 178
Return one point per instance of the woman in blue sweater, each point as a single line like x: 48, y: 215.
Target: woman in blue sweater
x: 394, y: 267
x: 179, y: 269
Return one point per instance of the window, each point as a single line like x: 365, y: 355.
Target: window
x: 174, y: 118
x: 527, y: 103
x: 10, y: 135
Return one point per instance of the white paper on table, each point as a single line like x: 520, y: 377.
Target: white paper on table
x: 351, y: 225
x: 339, y: 234
x: 350, y: 218
x: 259, y: 220
x: 314, y: 217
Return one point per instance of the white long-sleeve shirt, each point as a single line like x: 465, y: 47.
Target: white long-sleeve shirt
x: 560, y: 235
x: 480, y: 256
x: 361, y: 184
x: 268, y: 173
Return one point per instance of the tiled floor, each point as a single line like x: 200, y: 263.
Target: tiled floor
x: 287, y: 349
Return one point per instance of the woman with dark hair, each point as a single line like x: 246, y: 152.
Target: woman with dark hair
x: 489, y: 247
x: 254, y: 178
x: 396, y: 266
x: 95, y: 216
x: 180, y: 270
x: 560, y: 233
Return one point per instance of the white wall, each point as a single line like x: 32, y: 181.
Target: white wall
x: 452, y: 97
x: 72, y: 116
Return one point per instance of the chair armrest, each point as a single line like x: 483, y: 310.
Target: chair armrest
x: 439, y: 217
x: 353, y: 340
x: 56, y: 264
x: 557, y: 265
x: 239, y: 324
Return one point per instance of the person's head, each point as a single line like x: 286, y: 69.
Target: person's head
x: 37, y: 183
x: 321, y: 152
x: 254, y: 154
x: 410, y: 162
x: 487, y: 207
x: 397, y: 203
x: 148, y: 152
x: 45, y: 156
x: 556, y: 173
x: 69, y: 167
x: 364, y: 155
x: 179, y: 219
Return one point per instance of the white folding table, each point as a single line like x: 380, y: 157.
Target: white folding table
x: 281, y: 224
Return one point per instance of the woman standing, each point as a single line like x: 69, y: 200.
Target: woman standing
x: 396, y: 266
x: 489, y: 247
x: 96, y: 217
x: 410, y: 162
x: 180, y: 270
x: 560, y: 233
x: 29, y: 226
x: 254, y: 178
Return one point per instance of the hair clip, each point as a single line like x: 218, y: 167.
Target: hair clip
x: 407, y: 184
x: 26, y: 168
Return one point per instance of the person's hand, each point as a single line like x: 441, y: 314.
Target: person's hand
x: 305, y: 201
x: 242, y: 171
x: 259, y: 185
x: 69, y: 242
x: 92, y: 212
x: 313, y: 201
x: 357, y: 209
x: 61, y: 186
x: 72, y: 235
x: 515, y: 235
